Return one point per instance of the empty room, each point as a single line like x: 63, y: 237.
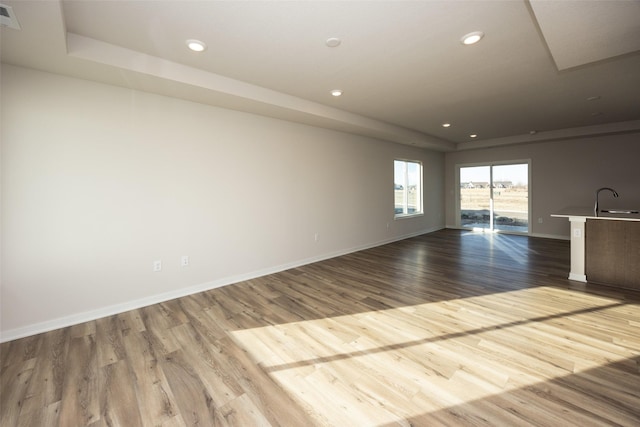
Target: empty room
x: 320, y: 213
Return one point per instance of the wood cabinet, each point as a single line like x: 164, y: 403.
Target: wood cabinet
x: 613, y: 252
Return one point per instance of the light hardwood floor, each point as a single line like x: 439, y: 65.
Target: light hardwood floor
x: 449, y: 328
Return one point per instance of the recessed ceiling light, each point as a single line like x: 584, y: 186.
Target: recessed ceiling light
x: 196, y: 45
x: 472, y: 38
x: 473, y: 135
x: 333, y: 42
x: 446, y: 125
x: 336, y: 92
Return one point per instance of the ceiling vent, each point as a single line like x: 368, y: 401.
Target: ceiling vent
x: 8, y: 17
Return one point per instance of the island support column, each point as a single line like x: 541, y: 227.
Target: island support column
x: 577, y: 248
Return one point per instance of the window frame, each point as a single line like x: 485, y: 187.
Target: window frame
x: 406, y: 189
x: 491, y: 164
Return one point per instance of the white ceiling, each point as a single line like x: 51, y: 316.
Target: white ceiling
x: 401, y: 65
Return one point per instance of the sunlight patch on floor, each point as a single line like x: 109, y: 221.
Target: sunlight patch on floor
x: 374, y: 365
x: 516, y: 250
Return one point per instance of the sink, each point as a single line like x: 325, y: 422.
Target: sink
x: 620, y: 211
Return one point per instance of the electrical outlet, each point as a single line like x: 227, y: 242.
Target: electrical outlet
x: 157, y: 265
x: 540, y: 220
x: 184, y: 261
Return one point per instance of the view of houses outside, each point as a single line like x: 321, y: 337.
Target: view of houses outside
x: 507, y: 194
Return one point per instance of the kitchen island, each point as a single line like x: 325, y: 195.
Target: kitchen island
x: 604, y: 248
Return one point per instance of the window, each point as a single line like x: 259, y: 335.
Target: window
x: 494, y: 196
x: 407, y: 188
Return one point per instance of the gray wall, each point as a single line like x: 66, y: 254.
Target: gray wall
x: 563, y: 173
x: 100, y: 181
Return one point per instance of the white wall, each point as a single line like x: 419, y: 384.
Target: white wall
x: 563, y: 173
x: 99, y: 181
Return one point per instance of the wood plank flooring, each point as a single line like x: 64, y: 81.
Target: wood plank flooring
x: 448, y: 328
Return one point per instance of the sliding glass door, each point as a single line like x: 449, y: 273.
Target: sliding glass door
x: 475, y: 197
x: 494, y: 197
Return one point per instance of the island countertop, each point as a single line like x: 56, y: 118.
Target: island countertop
x: 587, y: 213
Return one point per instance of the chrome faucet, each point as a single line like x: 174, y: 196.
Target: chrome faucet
x: 615, y: 194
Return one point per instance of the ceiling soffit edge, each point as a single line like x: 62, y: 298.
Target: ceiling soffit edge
x: 249, y: 97
x: 632, y: 126
x: 577, y: 35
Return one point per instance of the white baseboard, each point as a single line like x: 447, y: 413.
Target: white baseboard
x: 74, y: 319
x: 550, y: 236
x: 578, y: 277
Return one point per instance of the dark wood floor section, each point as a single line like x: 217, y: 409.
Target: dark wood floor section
x: 449, y: 328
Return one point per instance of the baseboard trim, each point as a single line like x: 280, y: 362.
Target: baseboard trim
x: 544, y: 236
x: 74, y: 319
x: 550, y: 236
x: 578, y: 277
